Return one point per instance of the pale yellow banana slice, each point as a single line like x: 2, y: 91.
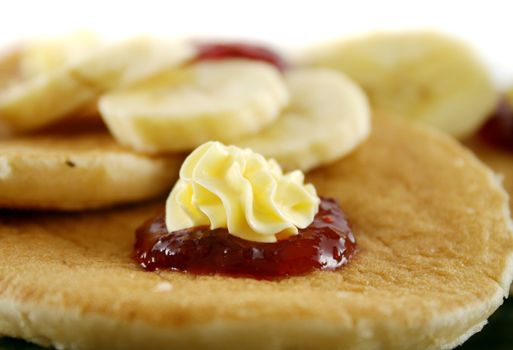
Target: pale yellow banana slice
x: 41, y: 101
x: 423, y: 76
x: 27, y: 60
x: 221, y: 101
x: 129, y: 62
x: 33, y: 83
x: 328, y: 117
x: 44, y: 55
x: 46, y: 97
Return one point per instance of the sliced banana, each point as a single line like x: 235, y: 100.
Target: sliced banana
x: 41, y: 101
x: 221, y: 101
x: 46, y: 54
x: 47, y: 96
x: 33, y: 86
x: 328, y: 117
x: 129, y: 62
x: 27, y: 60
x: 423, y: 76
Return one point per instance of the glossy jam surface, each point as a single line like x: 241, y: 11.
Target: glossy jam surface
x: 327, y: 244
x: 219, y: 51
x: 498, y: 130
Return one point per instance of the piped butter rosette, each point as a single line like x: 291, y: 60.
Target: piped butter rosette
x: 238, y: 189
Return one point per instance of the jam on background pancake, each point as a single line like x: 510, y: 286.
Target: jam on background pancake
x: 435, y: 260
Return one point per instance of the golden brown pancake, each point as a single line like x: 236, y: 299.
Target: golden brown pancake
x: 434, y: 261
x: 78, y: 166
x: 501, y: 161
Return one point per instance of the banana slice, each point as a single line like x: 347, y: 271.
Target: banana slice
x: 419, y: 75
x: 130, y: 62
x: 44, y: 55
x: 32, y: 84
x: 28, y: 60
x: 41, y: 101
x: 221, y: 101
x: 328, y: 117
x: 48, y: 96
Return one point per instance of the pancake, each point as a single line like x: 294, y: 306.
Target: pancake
x: 79, y: 167
x: 501, y: 161
x: 434, y: 261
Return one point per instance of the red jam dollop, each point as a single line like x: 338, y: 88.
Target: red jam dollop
x: 219, y: 51
x: 327, y: 244
x: 498, y: 130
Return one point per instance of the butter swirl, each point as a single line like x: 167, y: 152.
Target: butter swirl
x: 229, y: 187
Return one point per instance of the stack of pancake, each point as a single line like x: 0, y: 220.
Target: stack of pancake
x: 95, y: 135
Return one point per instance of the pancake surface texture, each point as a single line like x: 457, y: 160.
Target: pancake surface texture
x: 79, y: 169
x: 434, y: 261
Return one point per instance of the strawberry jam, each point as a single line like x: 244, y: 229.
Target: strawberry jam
x: 498, y: 130
x: 327, y: 244
x: 219, y: 51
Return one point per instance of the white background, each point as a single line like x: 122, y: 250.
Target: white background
x: 487, y: 25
